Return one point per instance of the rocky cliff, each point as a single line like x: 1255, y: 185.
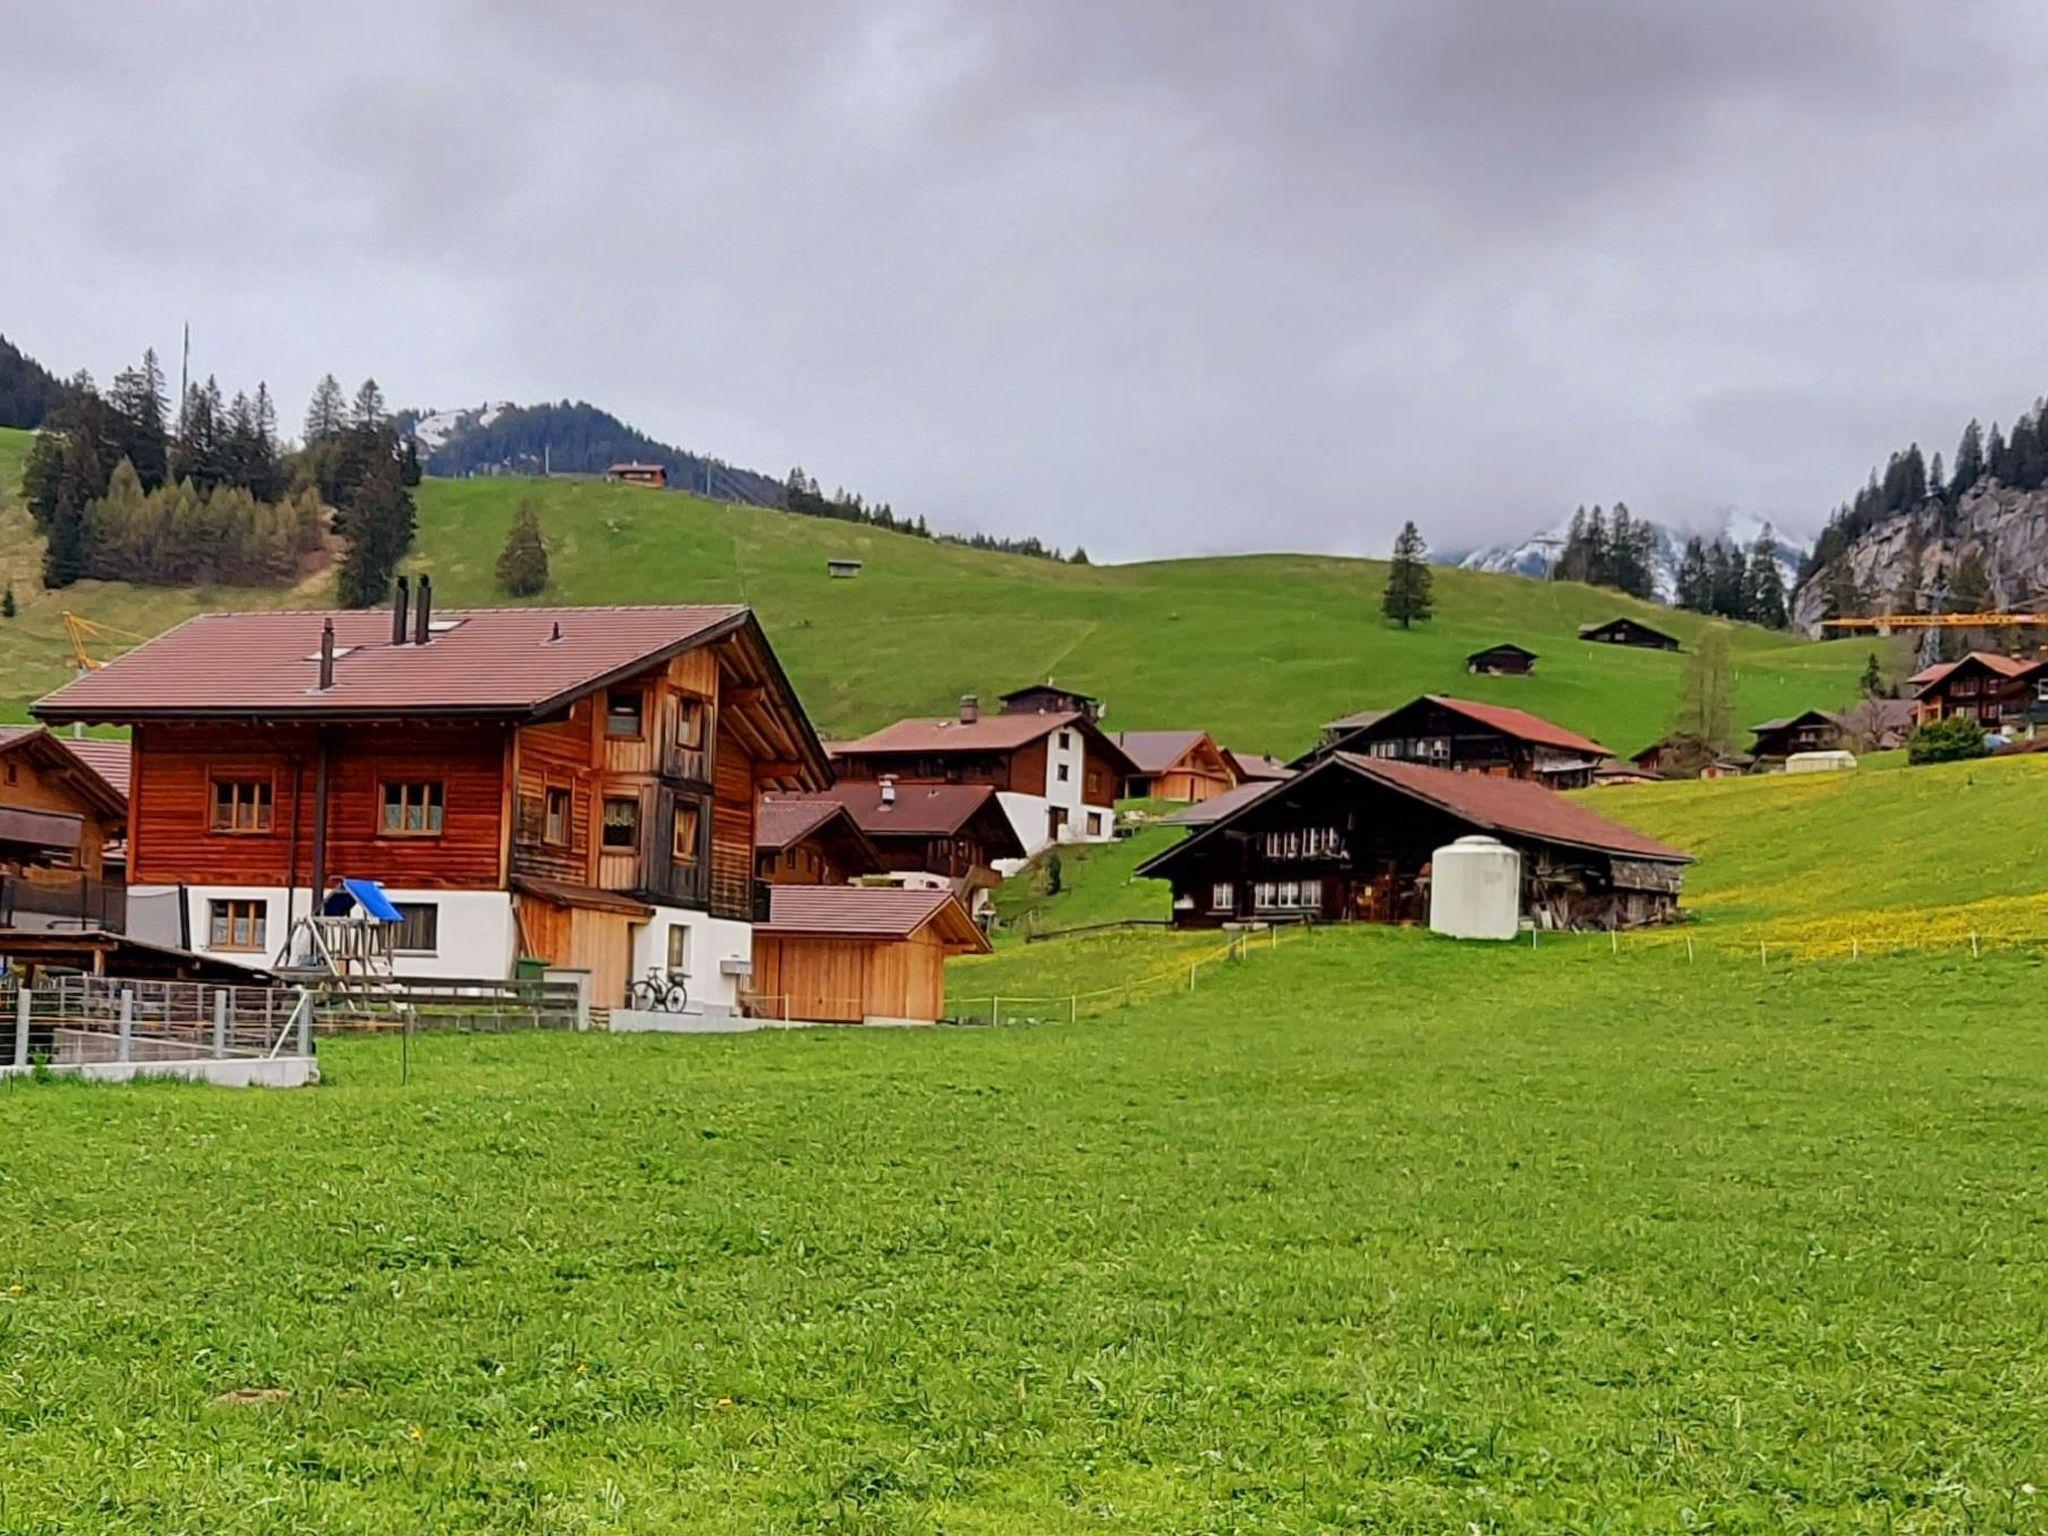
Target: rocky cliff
x: 2007, y: 530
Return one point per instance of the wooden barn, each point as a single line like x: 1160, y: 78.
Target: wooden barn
x: 1624, y: 631
x: 655, y: 475
x: 1470, y: 737
x: 1352, y: 839
x: 1174, y: 765
x: 1504, y: 660
x: 858, y: 954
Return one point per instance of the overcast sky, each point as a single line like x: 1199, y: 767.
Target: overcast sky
x: 1162, y: 278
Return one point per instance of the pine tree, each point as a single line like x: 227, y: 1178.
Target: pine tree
x: 1078, y: 557
x: 327, y: 412
x: 1764, y: 588
x: 1695, y: 586
x: 67, y: 554
x: 1969, y: 590
x: 1969, y: 461
x: 1407, y: 597
x: 367, y: 414
x: 1871, y: 683
x: 137, y: 403
x: 379, y: 523
x: 523, y: 562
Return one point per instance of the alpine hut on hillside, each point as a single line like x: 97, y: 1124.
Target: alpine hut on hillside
x: 1352, y: 839
x: 1174, y: 765
x: 1625, y: 631
x: 1504, y: 660
x: 1444, y: 732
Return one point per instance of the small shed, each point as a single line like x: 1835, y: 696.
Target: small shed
x: 1626, y: 631
x: 1504, y: 660
x: 1835, y: 760
x: 842, y: 570
x: 635, y: 473
x: 855, y: 954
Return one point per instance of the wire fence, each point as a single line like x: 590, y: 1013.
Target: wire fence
x: 1185, y: 974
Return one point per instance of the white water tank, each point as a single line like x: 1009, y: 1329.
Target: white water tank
x: 1475, y: 889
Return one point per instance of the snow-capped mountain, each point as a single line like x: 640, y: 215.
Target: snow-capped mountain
x: 1534, y: 555
x: 433, y: 428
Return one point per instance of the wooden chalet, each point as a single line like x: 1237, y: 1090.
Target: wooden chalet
x: 1260, y: 766
x: 1874, y: 725
x: 803, y: 841
x: 953, y: 835
x: 1174, y: 765
x: 1616, y: 772
x: 655, y: 475
x: 58, y: 810
x: 1625, y: 631
x: 1352, y: 838
x: 1047, y: 698
x: 2001, y: 692
x: 575, y: 785
x: 1055, y: 773
x: 1814, y: 730
x: 1504, y: 660
x: 1470, y: 737
x: 858, y: 954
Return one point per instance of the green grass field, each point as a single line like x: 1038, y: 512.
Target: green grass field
x: 1260, y: 649
x: 1376, y: 1233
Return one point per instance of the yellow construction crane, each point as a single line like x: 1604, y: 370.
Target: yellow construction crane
x: 82, y: 629
x: 1887, y: 623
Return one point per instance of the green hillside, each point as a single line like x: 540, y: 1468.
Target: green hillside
x: 1258, y: 648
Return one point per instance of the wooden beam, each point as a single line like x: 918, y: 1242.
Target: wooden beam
x: 741, y: 694
x: 777, y: 768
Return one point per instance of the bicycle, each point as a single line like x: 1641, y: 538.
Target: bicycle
x: 659, y: 991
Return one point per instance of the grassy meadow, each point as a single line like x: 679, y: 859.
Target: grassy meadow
x: 1370, y: 1234
x: 1260, y: 649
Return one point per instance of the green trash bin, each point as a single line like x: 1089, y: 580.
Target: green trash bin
x: 527, y: 968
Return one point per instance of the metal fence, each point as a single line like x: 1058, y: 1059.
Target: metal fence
x: 419, y: 1003
x: 90, y: 1020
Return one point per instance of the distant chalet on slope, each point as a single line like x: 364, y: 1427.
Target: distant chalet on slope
x: 1873, y: 725
x: 655, y: 475
x: 1352, y: 839
x: 1504, y: 660
x: 952, y: 836
x: 1175, y: 765
x: 1624, y: 631
x: 1999, y: 692
x: 1054, y: 772
x: 1471, y: 738
x: 571, y: 784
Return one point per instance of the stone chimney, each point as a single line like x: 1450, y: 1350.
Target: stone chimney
x: 422, y: 629
x: 970, y: 708
x: 400, y: 602
x: 327, y: 655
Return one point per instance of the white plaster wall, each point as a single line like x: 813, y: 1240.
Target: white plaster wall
x: 711, y: 940
x: 477, y: 937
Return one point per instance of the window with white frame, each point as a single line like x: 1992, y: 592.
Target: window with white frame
x: 1222, y: 897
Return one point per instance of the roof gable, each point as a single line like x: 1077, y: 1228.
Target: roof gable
x: 881, y: 912
x: 1517, y: 723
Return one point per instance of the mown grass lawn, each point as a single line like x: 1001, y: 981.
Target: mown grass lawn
x: 1370, y: 1233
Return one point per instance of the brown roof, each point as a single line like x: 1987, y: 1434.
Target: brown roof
x: 868, y: 911
x: 1359, y: 720
x: 780, y: 820
x: 1518, y: 723
x: 921, y: 810
x: 1216, y: 807
x: 990, y: 733
x: 1513, y: 808
x: 111, y: 760
x: 1991, y: 661
x: 1157, y: 751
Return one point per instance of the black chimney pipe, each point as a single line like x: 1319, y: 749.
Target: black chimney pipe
x: 399, y: 605
x: 421, y: 632
x: 327, y: 656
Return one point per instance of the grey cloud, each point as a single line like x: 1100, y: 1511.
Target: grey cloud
x: 1154, y: 276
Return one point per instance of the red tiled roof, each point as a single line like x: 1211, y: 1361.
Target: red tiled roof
x: 1513, y: 806
x: 111, y: 760
x: 780, y: 820
x: 491, y: 662
x: 1991, y: 661
x: 921, y: 810
x: 1156, y: 751
x: 866, y: 911
x: 1522, y: 725
x: 990, y: 733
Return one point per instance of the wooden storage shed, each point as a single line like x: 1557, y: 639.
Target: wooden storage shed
x: 858, y: 954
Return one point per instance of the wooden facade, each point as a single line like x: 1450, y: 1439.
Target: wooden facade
x: 56, y: 812
x: 1814, y: 731
x: 1996, y: 691
x: 1352, y: 840
x: 811, y: 843
x: 1175, y: 765
x: 860, y: 954
x: 1476, y: 738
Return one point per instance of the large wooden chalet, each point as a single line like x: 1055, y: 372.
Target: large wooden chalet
x: 1054, y: 772
x: 573, y: 784
x: 1352, y: 838
x: 2000, y: 692
x: 1443, y: 732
